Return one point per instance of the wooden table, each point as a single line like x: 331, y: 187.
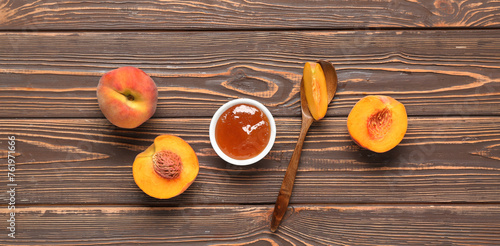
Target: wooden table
x: 73, y: 169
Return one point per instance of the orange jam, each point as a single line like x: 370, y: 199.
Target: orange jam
x: 242, y: 131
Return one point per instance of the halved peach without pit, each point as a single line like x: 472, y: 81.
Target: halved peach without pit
x: 377, y: 123
x: 166, y: 168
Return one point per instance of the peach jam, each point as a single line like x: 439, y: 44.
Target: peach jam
x: 242, y: 131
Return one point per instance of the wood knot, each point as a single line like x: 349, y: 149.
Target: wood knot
x: 444, y: 6
x: 252, y: 82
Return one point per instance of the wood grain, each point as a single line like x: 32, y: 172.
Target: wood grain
x: 442, y: 73
x: 268, y: 14
x: 248, y: 225
x: 440, y: 58
x: 87, y: 161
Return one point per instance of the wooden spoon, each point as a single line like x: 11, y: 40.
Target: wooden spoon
x: 307, y: 119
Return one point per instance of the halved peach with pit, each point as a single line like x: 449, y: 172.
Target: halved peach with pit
x: 377, y: 123
x: 166, y: 168
x: 315, y: 89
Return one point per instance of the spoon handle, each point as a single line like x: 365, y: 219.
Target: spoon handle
x: 287, y: 185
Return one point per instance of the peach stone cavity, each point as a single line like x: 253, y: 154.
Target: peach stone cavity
x: 167, y: 164
x: 379, y: 123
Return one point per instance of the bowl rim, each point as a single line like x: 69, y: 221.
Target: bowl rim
x: 216, y: 117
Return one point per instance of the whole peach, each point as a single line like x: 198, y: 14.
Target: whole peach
x: 127, y: 96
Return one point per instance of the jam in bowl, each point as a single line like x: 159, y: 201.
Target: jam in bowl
x: 242, y: 131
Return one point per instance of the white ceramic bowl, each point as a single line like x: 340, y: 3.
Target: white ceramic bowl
x: 221, y: 110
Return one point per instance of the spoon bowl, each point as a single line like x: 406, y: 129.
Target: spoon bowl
x: 307, y: 119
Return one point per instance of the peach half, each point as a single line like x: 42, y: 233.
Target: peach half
x: 377, y: 123
x: 166, y: 168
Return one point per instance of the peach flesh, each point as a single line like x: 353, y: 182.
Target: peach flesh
x: 377, y: 123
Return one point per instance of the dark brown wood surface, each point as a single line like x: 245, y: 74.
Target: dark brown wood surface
x: 441, y: 59
x: 87, y: 161
x: 249, y: 225
x: 453, y: 72
x: 193, y: 15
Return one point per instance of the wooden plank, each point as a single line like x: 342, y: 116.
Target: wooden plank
x: 432, y: 72
x: 248, y: 225
x: 267, y: 14
x: 87, y: 161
